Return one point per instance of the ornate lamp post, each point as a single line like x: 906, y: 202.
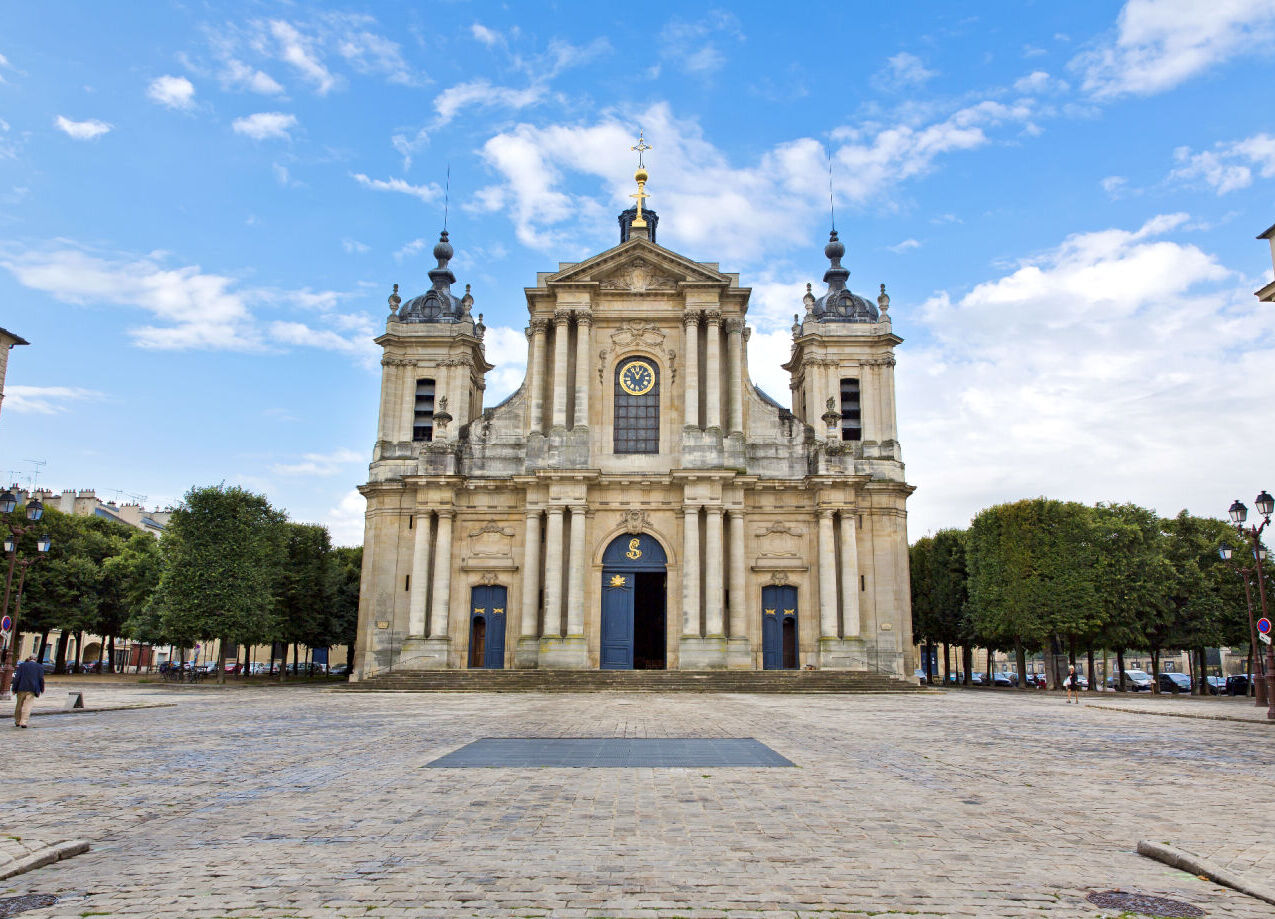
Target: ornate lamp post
x: 1265, y: 505
x: 34, y: 511
x: 1255, y: 662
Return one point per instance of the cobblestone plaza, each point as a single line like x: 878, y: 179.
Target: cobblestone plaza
x: 301, y: 802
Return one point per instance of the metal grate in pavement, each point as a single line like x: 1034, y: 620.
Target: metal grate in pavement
x: 610, y: 753
x: 1134, y: 902
x: 11, y: 906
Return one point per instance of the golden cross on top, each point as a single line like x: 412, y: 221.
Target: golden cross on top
x: 641, y: 147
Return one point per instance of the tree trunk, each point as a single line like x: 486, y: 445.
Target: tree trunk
x: 220, y: 662
x: 991, y: 661
x: 349, y: 657
x: 1119, y: 670
x: 947, y: 663
x: 1155, y: 670
x: 1093, y: 672
x: 967, y: 662
x: 79, y: 651
x: 296, y: 655
x: 59, y: 659
x: 1021, y: 654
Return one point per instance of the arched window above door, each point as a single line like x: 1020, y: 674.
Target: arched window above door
x: 637, y: 406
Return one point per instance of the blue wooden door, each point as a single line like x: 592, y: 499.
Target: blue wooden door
x: 779, y: 628
x: 617, y: 620
x: 487, y: 627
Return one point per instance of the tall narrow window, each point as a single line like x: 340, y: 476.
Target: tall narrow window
x: 423, y: 418
x: 851, y: 417
x: 637, y: 407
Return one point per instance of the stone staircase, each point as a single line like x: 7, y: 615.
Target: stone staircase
x: 770, y: 681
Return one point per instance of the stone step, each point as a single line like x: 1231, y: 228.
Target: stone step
x: 774, y: 681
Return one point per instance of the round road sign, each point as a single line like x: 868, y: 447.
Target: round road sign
x: 6, y: 624
x: 1264, y: 625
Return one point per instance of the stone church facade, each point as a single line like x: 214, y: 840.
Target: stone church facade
x: 638, y: 502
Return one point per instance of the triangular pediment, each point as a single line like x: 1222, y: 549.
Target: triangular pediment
x: 638, y: 266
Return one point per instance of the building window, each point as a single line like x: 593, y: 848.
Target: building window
x: 423, y: 419
x: 637, y: 406
x: 851, y: 416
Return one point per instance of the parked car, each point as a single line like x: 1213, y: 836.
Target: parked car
x: 1174, y: 682
x: 339, y: 670
x: 1237, y: 684
x: 978, y: 678
x: 956, y: 676
x: 1215, y: 685
x: 1005, y: 678
x: 1134, y: 680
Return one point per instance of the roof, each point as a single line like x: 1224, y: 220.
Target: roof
x: 1270, y: 232
x: 19, y: 340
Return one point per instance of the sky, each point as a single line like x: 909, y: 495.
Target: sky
x: 203, y: 207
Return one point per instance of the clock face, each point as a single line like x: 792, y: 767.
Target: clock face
x: 638, y: 378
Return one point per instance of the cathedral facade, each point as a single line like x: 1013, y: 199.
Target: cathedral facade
x: 638, y: 503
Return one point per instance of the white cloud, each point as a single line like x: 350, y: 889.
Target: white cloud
x: 81, y: 130
x: 368, y: 52
x: 299, y: 51
x: 1114, y: 186
x: 1228, y: 166
x: 1159, y: 44
x: 723, y: 209
x: 1095, y: 369
x: 489, y: 37
x: 426, y: 193
x: 507, y: 349
x: 235, y: 74
x: 265, y: 125
x: 407, y: 146
x: 345, y: 521
x: 907, y: 244
x: 46, y: 400
x: 321, y: 464
x: 174, y: 92
x: 692, y: 47
x: 482, y: 93
x: 354, y: 247
x: 902, y: 71
x: 190, y: 309
x: 411, y: 248
x: 1038, y: 82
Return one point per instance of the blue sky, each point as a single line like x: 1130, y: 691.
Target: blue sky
x: 203, y: 207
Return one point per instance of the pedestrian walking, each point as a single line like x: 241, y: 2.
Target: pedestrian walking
x: 28, y: 683
x: 1072, y: 682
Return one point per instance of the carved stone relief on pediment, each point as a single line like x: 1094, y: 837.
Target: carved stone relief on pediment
x: 637, y: 335
x: 639, y: 276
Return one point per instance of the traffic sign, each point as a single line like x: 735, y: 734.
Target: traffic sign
x: 1264, y: 626
x: 6, y: 624
x: 1264, y: 638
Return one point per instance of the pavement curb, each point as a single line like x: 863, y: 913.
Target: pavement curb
x: 103, y: 708
x: 1147, y: 711
x: 46, y: 856
x: 1177, y: 858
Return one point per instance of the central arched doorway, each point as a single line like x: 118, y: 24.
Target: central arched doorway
x: 634, y: 580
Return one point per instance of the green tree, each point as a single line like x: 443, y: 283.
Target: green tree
x: 220, y: 568
x: 346, y: 575
x: 305, y: 607
x: 1132, y: 574
x: 133, y: 575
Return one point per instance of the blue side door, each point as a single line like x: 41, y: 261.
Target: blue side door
x: 617, y: 620
x: 771, y: 634
x: 494, y: 657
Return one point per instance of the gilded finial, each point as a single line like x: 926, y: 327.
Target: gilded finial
x: 640, y: 177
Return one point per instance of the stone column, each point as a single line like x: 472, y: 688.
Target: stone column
x: 407, y: 399
x: 735, y: 373
x: 738, y: 573
x: 849, y: 575
x: 827, y: 577
x: 531, y: 575
x: 690, y: 572
x: 713, y: 372
x: 714, y: 557
x: 890, y: 421
x: 441, y: 606
x: 553, y: 575
x: 690, y: 348
x: 536, y: 375
x: 584, y: 338
x: 576, y: 569
x: 420, y: 578
x: 561, y: 332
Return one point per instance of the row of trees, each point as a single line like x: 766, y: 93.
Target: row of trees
x: 229, y: 568
x: 1064, y: 578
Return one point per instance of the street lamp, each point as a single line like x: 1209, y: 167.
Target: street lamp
x: 1259, y: 685
x: 34, y: 511
x: 1265, y: 505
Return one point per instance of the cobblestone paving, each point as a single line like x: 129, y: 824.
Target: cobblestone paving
x: 15, y: 848
x: 283, y: 803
